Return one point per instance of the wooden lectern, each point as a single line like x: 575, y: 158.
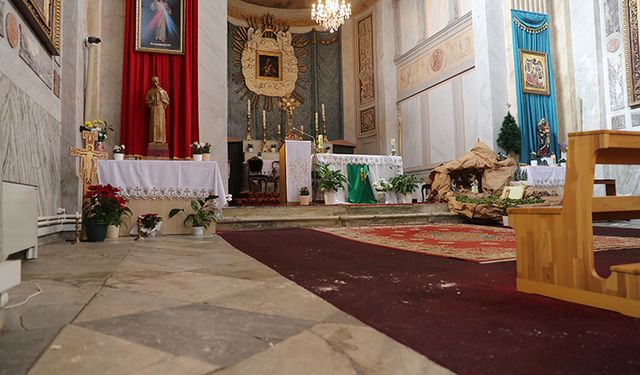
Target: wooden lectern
x: 295, y: 169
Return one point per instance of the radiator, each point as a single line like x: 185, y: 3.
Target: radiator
x: 19, y: 219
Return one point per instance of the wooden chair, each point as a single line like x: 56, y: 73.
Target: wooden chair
x: 255, y: 174
x: 554, y: 245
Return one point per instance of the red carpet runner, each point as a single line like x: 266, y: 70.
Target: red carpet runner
x: 473, y: 243
x: 464, y: 316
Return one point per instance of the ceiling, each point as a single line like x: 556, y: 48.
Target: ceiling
x: 284, y: 4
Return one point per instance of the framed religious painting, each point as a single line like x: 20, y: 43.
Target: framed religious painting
x: 44, y: 18
x: 160, y: 26
x: 269, y: 65
x: 534, y: 72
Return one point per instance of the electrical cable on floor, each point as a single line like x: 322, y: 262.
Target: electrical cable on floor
x: 26, y: 299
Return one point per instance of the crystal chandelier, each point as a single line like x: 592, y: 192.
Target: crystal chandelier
x: 331, y: 14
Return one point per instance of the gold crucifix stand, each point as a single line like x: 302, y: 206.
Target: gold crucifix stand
x: 88, y: 156
x: 289, y: 104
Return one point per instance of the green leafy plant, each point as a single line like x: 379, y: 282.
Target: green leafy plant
x: 509, y: 136
x: 204, y: 212
x: 404, y: 184
x: 329, y: 180
x: 304, y: 190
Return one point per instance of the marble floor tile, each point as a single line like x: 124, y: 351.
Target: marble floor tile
x: 19, y: 350
x: 305, y: 353
x: 188, y: 286
x: 376, y: 353
x: 209, y: 333
x: 109, y: 303
x: 82, y: 351
x: 279, y: 298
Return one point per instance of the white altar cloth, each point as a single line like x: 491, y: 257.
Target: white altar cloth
x: 163, y: 179
x: 380, y: 166
x: 298, y: 168
x: 545, y: 176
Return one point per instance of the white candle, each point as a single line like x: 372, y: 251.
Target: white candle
x: 278, y: 129
x: 248, y: 105
x: 316, y: 122
x: 302, y: 129
x: 393, y: 142
x: 264, y: 118
x: 323, y: 115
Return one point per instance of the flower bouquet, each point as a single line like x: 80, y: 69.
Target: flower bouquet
x: 100, y: 127
x: 149, y: 224
x: 118, y: 152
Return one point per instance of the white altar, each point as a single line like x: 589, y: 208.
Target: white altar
x: 157, y: 186
x: 380, y: 166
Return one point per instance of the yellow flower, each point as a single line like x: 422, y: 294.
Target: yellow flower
x: 87, y: 123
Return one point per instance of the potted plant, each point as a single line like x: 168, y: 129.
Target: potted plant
x: 196, y: 151
x: 273, y: 147
x: 382, y: 187
x: 101, y: 128
x: 104, y: 206
x: 118, y: 152
x: 204, y: 213
x: 330, y: 182
x: 533, y: 158
x: 562, y: 162
x: 249, y: 147
x: 509, y: 137
x: 404, y: 185
x: 304, y: 196
x: 150, y: 224
x: 206, y: 151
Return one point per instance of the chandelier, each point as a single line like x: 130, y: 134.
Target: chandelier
x: 331, y: 14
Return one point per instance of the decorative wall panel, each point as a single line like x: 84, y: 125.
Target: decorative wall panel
x: 436, y: 62
x: 319, y: 82
x: 632, y: 49
x: 30, y: 145
x: 368, y: 121
x: 366, y: 72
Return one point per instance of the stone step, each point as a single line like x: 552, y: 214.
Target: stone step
x: 280, y: 222
x: 337, y: 210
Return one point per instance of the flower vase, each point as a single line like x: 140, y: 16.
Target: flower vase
x: 197, y: 157
x: 95, y: 232
x: 118, y: 156
x: 304, y: 200
x: 113, y: 231
x: 406, y: 199
x: 273, y: 149
x: 381, y: 197
x: 330, y: 197
x: 206, y: 157
x: 534, y: 163
x: 198, y: 231
x: 99, y: 146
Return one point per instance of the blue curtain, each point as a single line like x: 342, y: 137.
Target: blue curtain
x: 531, y: 32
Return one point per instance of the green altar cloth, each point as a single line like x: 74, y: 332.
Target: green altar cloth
x: 360, y: 190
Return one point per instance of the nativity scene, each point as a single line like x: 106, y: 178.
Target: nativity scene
x: 319, y: 186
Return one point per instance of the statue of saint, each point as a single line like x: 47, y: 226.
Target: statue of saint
x: 544, y: 138
x: 157, y: 100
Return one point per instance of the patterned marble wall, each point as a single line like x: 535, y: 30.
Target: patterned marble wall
x: 30, y: 144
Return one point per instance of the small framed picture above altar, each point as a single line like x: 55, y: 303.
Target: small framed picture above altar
x: 160, y: 26
x: 269, y: 65
x: 534, y: 72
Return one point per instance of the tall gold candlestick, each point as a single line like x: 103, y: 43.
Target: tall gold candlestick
x: 248, y: 119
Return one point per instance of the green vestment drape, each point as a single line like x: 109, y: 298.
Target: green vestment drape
x: 360, y: 190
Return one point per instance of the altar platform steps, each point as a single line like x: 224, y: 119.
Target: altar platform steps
x: 282, y: 217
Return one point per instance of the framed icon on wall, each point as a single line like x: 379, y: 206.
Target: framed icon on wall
x: 160, y: 26
x: 534, y: 72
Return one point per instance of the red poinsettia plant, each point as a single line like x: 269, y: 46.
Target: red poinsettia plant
x: 105, y: 205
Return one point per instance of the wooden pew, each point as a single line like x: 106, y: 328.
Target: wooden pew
x: 554, y: 245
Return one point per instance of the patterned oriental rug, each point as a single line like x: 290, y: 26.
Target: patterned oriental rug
x: 473, y: 243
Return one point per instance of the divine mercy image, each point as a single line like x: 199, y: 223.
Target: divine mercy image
x: 160, y: 26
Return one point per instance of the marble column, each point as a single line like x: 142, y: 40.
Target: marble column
x: 587, y: 57
x: 387, y: 97
x: 490, y: 67
x: 72, y: 94
x: 212, y: 80
x: 347, y: 33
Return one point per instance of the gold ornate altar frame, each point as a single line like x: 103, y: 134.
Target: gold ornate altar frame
x: 631, y: 20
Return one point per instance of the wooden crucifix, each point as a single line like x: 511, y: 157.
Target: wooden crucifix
x: 88, y: 156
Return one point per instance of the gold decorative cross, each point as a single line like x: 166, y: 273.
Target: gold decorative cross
x: 289, y: 104
x: 88, y: 164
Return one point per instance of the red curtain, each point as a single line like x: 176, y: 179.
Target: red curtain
x: 178, y: 76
